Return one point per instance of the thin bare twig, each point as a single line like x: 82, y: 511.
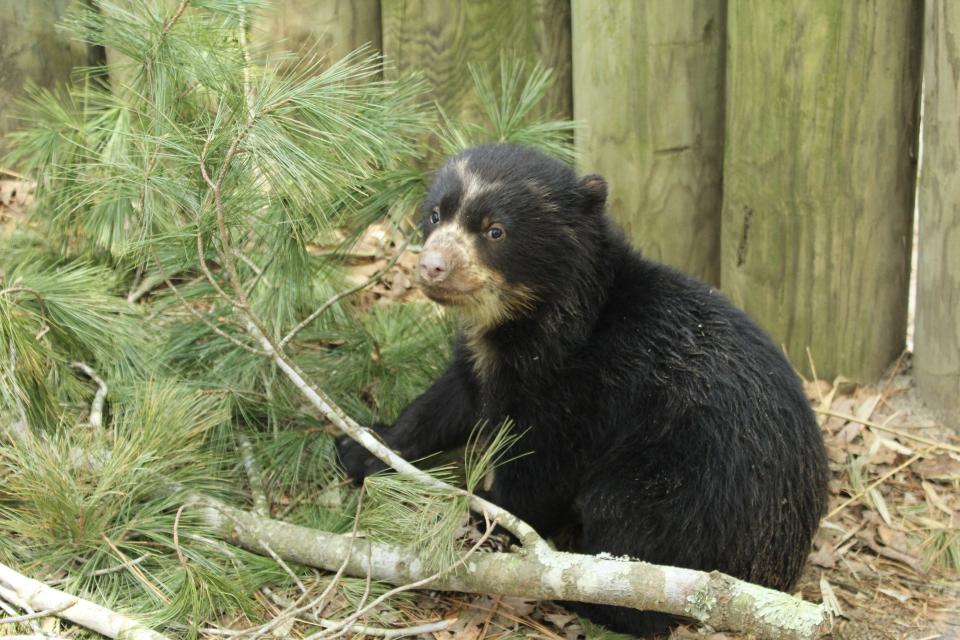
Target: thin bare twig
x: 242, y: 38
x: 26, y: 607
x: 176, y: 16
x: 96, y: 407
x: 261, y: 506
x: 877, y: 482
x: 343, y: 294
x: 273, y: 554
x: 398, y: 632
x: 144, y: 287
x: 38, y: 614
x: 882, y: 427
x: 12, y: 174
x: 297, y: 608
x: 199, y: 316
x: 135, y: 571
x: 43, y: 305
x: 350, y: 620
x: 21, y: 424
x: 107, y: 570
x: 176, y: 537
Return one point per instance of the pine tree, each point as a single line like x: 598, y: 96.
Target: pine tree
x: 180, y: 197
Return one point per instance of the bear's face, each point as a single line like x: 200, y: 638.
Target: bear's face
x: 505, y: 228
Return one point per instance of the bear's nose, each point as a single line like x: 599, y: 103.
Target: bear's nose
x: 433, y: 267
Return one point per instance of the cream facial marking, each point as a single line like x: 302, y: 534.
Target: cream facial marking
x: 471, y: 184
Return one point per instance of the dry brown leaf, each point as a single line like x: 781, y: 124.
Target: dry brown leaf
x: 830, y: 601
x: 825, y: 556
x: 849, y: 434
x: 902, y: 597
x: 868, y: 406
x: 878, y: 454
x: 880, y: 504
x: 16, y: 192
x: 943, y: 466
x: 559, y: 620
x: 935, y: 498
x: 518, y: 606
x: 894, y: 539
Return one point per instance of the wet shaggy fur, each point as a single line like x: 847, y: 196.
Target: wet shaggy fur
x: 657, y: 414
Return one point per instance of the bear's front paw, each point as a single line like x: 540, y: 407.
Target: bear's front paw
x: 355, y: 460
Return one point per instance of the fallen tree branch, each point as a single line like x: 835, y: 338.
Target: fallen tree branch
x: 28, y: 593
x: 714, y: 599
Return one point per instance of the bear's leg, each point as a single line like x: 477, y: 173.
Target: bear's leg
x: 529, y: 490
x: 645, y: 502
x: 610, y: 538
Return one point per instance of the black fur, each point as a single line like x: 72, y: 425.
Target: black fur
x: 658, y: 412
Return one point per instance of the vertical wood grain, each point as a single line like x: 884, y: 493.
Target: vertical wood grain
x: 331, y: 27
x: 439, y: 39
x: 31, y: 48
x: 648, y: 88
x: 819, y: 175
x: 937, y: 330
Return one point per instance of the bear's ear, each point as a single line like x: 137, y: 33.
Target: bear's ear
x: 593, y: 188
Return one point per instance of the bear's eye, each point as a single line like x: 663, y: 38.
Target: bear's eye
x: 496, y: 232
x: 435, y: 215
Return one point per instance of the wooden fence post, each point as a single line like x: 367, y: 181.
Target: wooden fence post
x: 32, y: 49
x: 937, y: 332
x: 648, y: 87
x: 439, y: 38
x: 331, y: 27
x: 819, y: 175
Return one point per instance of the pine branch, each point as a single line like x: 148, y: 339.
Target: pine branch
x: 715, y: 599
x: 341, y: 295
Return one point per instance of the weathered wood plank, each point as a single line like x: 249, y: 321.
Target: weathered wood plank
x: 819, y: 175
x: 333, y: 28
x: 32, y: 49
x: 937, y: 329
x: 648, y: 86
x: 439, y: 39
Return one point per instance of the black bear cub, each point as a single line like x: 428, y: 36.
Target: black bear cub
x: 657, y: 414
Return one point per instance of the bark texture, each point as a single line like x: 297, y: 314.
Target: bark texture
x: 714, y: 599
